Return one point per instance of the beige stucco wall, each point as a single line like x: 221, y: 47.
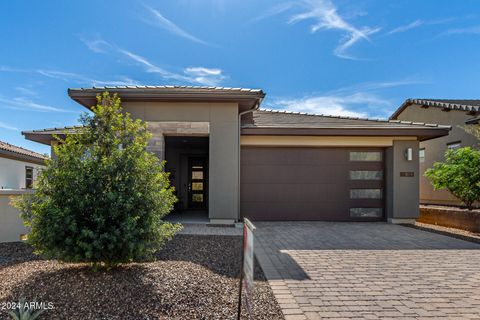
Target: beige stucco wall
x: 12, y: 173
x: 223, y: 145
x: 435, y: 148
x: 11, y: 225
x: 320, y: 141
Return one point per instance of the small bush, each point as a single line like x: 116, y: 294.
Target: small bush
x: 459, y: 174
x: 102, y: 199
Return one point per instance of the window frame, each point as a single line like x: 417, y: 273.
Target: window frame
x: 421, y: 159
x: 454, y: 145
x: 28, y: 181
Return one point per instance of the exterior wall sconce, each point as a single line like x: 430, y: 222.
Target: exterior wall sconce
x: 409, y: 154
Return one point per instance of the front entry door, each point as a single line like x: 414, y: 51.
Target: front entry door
x: 197, y: 183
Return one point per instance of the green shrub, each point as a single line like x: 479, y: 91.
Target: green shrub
x: 459, y: 174
x: 101, y: 200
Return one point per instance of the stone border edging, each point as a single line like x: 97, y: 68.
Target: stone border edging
x: 444, y: 232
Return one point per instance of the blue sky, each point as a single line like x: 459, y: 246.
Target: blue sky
x: 354, y: 58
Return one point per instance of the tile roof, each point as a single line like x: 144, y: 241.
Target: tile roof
x: 60, y: 130
x: 472, y: 106
x: 246, y: 97
x: 285, y: 119
x: 179, y: 88
x: 21, y: 151
x: 474, y: 120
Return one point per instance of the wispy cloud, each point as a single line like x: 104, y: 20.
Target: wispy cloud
x: 325, y: 16
x: 275, y: 10
x: 360, y: 100
x: 4, y: 125
x: 96, y: 44
x: 26, y: 91
x: 62, y: 75
x: 375, y: 86
x: 353, y: 105
x: 70, y: 77
x: 192, y: 75
x: 159, y: 20
x: 210, y: 77
x: 411, y: 25
x: 419, y: 23
x: 22, y: 103
x: 467, y: 30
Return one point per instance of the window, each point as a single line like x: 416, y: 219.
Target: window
x: 365, y: 193
x: 365, y: 156
x: 197, y: 197
x: 28, y: 177
x: 454, y: 145
x: 197, y: 186
x: 366, y: 175
x: 366, y: 212
x: 421, y: 155
x: 197, y: 174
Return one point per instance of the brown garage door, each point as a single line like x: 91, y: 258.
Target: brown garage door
x: 341, y: 184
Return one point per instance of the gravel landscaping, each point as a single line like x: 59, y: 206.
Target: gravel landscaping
x: 194, y: 277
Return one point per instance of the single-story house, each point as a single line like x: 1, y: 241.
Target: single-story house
x: 455, y: 113
x: 232, y: 160
x: 18, y: 166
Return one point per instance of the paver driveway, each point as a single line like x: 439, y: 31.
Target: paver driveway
x: 321, y: 270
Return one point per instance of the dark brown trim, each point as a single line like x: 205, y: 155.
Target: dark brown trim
x: 421, y: 134
x: 43, y: 138
x: 20, y: 157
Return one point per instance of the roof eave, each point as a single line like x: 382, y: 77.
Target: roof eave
x: 421, y: 134
x: 87, y: 97
x: 43, y: 138
x: 21, y: 157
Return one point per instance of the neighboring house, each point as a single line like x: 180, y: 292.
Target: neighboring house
x: 18, y: 166
x: 231, y: 160
x: 455, y: 113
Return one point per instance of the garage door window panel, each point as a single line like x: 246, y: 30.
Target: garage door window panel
x: 366, y: 212
x: 366, y: 175
x: 366, y: 156
x: 365, y: 193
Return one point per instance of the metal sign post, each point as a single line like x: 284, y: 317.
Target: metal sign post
x: 247, y: 271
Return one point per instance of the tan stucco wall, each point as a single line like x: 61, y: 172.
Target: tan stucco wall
x: 11, y: 225
x: 223, y: 145
x: 320, y: 141
x: 435, y: 148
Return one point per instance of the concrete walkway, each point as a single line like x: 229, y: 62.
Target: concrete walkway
x: 323, y: 270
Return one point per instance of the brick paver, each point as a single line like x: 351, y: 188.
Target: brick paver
x: 321, y: 270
